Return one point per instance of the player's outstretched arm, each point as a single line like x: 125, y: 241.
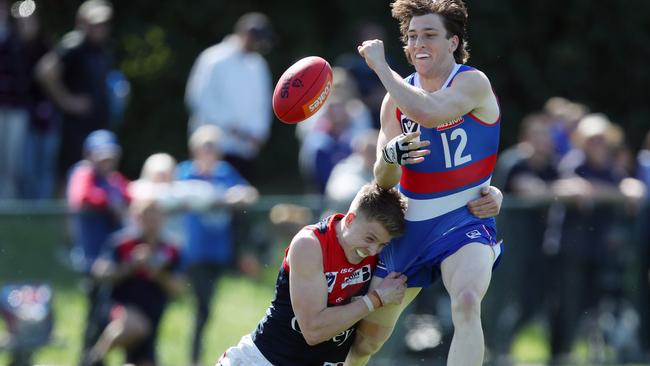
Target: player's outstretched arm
x: 308, y: 288
x: 469, y: 91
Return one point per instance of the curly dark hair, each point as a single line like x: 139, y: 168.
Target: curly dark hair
x: 453, y: 13
x: 385, y: 206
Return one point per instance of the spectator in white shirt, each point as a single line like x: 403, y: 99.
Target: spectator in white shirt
x: 230, y: 86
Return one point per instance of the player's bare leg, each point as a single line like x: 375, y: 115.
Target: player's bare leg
x: 374, y: 330
x: 132, y: 326
x: 466, y: 275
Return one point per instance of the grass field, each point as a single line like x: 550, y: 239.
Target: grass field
x: 31, y: 250
x: 239, y: 305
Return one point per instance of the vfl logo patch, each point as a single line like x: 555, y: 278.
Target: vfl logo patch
x: 473, y: 234
x: 361, y: 275
x: 408, y: 126
x: 331, y: 280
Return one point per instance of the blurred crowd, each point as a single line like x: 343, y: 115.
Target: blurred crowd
x: 583, y: 244
x: 137, y: 242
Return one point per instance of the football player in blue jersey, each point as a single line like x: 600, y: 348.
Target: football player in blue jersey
x: 439, y: 139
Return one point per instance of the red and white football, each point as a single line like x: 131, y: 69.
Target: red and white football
x: 302, y: 89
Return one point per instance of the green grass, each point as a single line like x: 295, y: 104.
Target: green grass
x: 531, y: 345
x: 239, y: 305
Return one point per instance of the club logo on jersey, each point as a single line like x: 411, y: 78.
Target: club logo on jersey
x: 473, y: 234
x: 450, y: 124
x: 361, y: 275
x: 331, y: 280
x: 408, y: 126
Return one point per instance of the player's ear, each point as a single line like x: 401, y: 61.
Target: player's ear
x: 453, y: 43
x: 349, y: 218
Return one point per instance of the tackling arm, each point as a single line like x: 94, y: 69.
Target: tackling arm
x: 308, y: 288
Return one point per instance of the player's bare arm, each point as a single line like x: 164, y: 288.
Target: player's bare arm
x: 470, y: 92
x: 388, y: 174
x: 308, y: 288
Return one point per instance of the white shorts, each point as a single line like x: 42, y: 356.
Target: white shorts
x: 245, y: 353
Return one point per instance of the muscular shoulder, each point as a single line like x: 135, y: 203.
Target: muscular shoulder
x: 476, y: 85
x: 474, y: 80
x: 305, y: 251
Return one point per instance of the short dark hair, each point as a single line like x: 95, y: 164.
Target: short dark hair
x: 453, y: 13
x: 382, y: 205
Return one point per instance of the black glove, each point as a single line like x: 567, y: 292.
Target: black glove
x: 396, y: 150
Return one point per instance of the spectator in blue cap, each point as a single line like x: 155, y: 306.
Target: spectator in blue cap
x: 97, y: 200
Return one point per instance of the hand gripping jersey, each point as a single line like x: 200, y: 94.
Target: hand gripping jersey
x: 463, y: 154
x: 278, y: 335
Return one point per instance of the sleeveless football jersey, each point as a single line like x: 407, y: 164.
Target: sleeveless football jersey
x: 278, y: 335
x: 438, y: 223
x: 463, y: 154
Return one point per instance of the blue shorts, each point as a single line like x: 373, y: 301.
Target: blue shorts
x: 420, y: 251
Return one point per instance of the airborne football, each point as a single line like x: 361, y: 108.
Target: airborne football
x: 302, y: 89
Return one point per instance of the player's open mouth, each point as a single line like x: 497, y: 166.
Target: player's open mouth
x: 361, y: 253
x: 420, y: 56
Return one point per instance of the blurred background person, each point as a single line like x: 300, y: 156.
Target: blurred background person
x: 209, y: 248
x: 564, y: 116
x: 142, y: 269
x: 371, y: 91
x: 155, y: 181
x: 326, y: 145
x: 75, y: 75
x: 327, y: 137
x: 643, y: 173
x: 590, y: 167
x: 528, y: 171
x: 593, y: 252
x: 230, y: 86
x: 97, y: 195
x: 345, y: 87
x: 41, y: 150
x: 535, y: 169
x: 643, y: 161
x: 351, y: 173
x: 14, y: 101
x: 97, y: 201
